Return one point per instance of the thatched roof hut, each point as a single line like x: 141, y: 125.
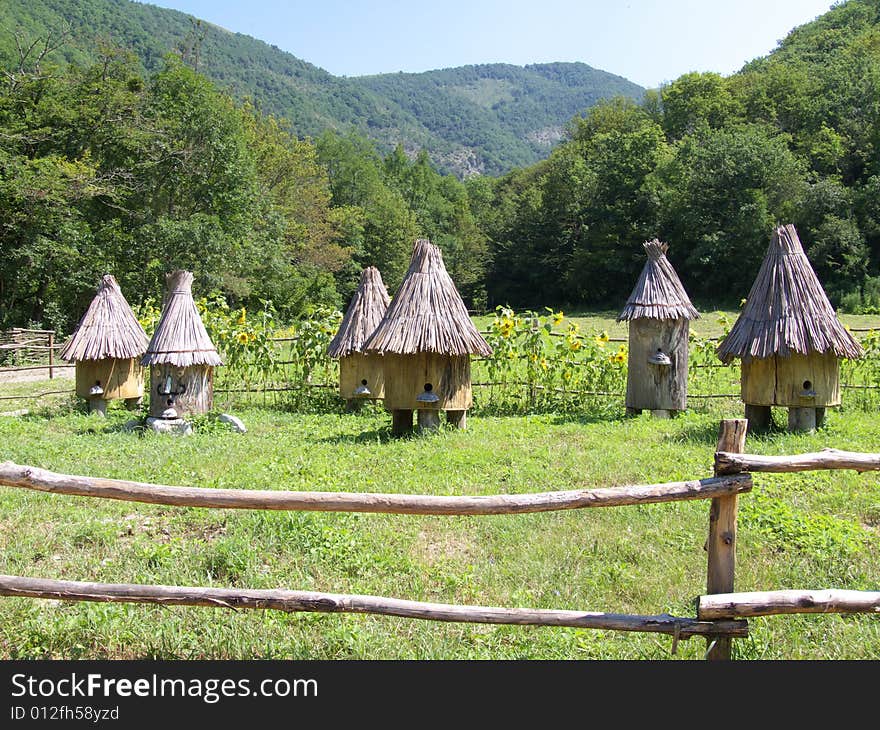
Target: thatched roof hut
x: 787, y: 311
x: 106, y: 346
x: 658, y: 293
x: 361, y: 375
x: 427, y: 314
x: 789, y: 339
x: 367, y: 307
x: 426, y: 339
x: 180, y: 355
x: 658, y: 312
x: 180, y: 337
x: 108, y: 329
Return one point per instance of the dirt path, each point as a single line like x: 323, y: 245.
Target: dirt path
x: 26, y: 376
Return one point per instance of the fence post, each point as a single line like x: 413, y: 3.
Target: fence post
x: 721, y: 544
x: 51, y: 353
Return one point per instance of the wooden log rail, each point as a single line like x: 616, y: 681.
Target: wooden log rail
x: 293, y: 601
x: 730, y: 463
x: 29, y: 477
x: 769, y: 603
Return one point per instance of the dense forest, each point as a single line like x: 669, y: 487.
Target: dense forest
x: 105, y: 166
x: 484, y: 119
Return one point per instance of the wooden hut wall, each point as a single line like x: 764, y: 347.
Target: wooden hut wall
x: 653, y: 387
x: 358, y: 367
x: 120, y: 378
x: 196, y: 381
x: 407, y: 375
x: 781, y: 381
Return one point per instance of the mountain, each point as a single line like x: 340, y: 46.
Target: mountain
x: 474, y: 119
x: 498, y: 116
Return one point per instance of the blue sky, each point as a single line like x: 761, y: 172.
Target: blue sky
x: 646, y: 41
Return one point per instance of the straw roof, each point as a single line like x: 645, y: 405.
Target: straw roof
x: 180, y: 337
x: 427, y: 313
x: 363, y: 315
x: 787, y: 311
x: 108, y: 329
x: 658, y: 294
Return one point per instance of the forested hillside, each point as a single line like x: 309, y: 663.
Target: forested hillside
x: 503, y: 115
x: 485, y: 119
x: 709, y: 164
x: 105, y: 167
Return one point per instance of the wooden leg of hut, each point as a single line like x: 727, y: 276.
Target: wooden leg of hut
x: 660, y: 413
x: 133, y: 404
x: 353, y: 405
x: 457, y: 419
x: 401, y: 422
x: 820, y: 417
x: 759, y: 417
x: 429, y: 419
x: 98, y: 405
x: 801, y: 419
x: 630, y: 412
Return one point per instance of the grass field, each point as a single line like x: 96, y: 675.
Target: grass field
x: 814, y: 530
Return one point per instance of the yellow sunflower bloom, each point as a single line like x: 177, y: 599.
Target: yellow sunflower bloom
x: 243, y: 338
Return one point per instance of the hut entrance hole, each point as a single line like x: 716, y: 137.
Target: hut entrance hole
x: 364, y: 381
x: 428, y: 387
x: 807, y: 385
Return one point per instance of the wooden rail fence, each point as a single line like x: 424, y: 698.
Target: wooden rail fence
x: 721, y: 613
x: 35, y: 348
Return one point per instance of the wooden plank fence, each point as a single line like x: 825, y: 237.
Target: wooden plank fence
x: 721, y: 613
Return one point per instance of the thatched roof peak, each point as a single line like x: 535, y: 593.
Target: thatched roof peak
x: 787, y: 310
x: 363, y: 315
x: 658, y: 293
x: 180, y: 337
x: 427, y: 314
x: 108, y: 329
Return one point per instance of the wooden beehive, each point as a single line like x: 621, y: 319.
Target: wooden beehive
x: 789, y: 339
x: 361, y: 375
x: 181, y: 356
x: 659, y: 313
x: 107, y: 346
x: 649, y: 385
x: 118, y: 378
x: 426, y: 339
x: 447, y: 376
x: 796, y: 381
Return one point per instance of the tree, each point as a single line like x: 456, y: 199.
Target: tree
x: 720, y: 195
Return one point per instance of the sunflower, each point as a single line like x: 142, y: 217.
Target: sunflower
x: 558, y: 317
x: 243, y: 338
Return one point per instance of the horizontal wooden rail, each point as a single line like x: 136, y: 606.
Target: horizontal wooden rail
x: 29, y: 477
x: 283, y: 600
x: 769, y: 603
x: 15, y: 369
x: 726, y: 463
x: 34, y: 396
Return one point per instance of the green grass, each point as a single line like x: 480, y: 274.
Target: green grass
x: 811, y: 531
x: 797, y: 531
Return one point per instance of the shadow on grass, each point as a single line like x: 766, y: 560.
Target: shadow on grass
x: 587, y: 417
x: 372, y: 436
